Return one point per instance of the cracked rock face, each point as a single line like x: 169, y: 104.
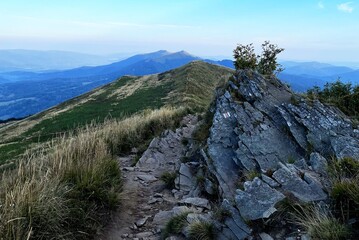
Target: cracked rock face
x: 257, y: 127
x: 257, y: 200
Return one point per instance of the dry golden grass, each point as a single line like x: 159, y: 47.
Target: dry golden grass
x: 320, y: 224
x: 57, y: 192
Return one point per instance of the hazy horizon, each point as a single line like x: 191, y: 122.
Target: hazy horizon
x: 325, y: 31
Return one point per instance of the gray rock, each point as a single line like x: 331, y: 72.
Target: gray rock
x: 141, y: 222
x: 144, y: 235
x: 147, y: 178
x: 236, y: 227
x: 265, y: 236
x: 193, y: 217
x: 257, y: 200
x: 318, y: 163
x: 198, y: 202
x: 305, y: 191
x: 272, y: 183
x: 301, y: 164
x: 209, y: 187
x: 345, y: 146
x: 181, y: 209
x: 184, y: 181
x: 162, y: 217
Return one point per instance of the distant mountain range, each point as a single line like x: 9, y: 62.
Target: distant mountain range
x: 25, y: 93
x: 304, y: 75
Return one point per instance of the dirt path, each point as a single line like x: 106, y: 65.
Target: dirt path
x: 145, y: 200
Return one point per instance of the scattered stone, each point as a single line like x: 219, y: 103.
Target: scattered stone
x: 129, y: 169
x: 133, y: 227
x: 142, y: 235
x: 265, y: 236
x: 141, y: 222
x: 147, y: 178
x: 158, y: 195
x: 198, y: 202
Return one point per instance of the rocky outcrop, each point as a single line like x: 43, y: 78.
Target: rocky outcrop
x: 260, y: 128
x: 266, y: 145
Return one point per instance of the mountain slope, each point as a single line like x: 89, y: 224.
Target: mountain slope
x: 191, y: 85
x: 35, y: 92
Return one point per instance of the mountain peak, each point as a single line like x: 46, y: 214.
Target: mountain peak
x: 183, y: 52
x: 164, y: 52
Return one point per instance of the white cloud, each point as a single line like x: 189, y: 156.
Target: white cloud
x: 346, y: 7
x: 321, y: 5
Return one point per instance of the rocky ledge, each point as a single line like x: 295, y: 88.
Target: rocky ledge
x: 268, y: 144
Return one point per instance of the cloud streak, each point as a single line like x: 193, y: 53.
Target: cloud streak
x: 321, y: 5
x: 346, y: 7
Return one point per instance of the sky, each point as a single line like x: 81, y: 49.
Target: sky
x: 326, y: 30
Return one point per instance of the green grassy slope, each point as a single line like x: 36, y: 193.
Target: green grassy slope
x: 190, y: 86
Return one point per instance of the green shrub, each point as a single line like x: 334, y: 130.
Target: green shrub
x: 175, y: 224
x: 201, y: 230
x: 169, y: 179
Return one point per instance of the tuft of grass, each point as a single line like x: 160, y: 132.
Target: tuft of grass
x: 250, y: 175
x: 175, y: 224
x: 169, y: 179
x: 344, y: 168
x: 289, y: 207
x: 321, y: 225
x: 291, y: 160
x: 201, y: 230
x: 200, y: 179
x: 294, y: 100
x: 220, y: 214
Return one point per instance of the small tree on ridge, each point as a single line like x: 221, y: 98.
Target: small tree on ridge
x: 266, y: 64
x: 244, y: 56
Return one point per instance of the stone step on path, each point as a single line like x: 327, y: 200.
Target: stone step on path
x: 144, y: 196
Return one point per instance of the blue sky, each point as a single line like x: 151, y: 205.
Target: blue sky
x: 326, y: 30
